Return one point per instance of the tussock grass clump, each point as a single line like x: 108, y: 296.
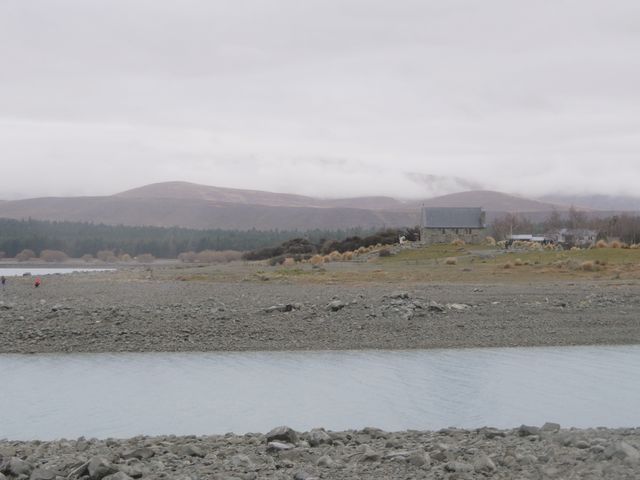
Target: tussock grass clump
x: 53, y: 256
x: 347, y: 256
x: 601, y: 244
x: 507, y: 265
x: 335, y: 256
x: 458, y: 242
x: 451, y: 261
x: 634, y: 246
x: 316, y: 260
x: 518, y: 262
x: 288, y: 262
x: 588, y: 266
x: 615, y: 244
x: 490, y: 241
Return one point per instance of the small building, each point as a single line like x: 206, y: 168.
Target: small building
x: 578, y: 237
x: 446, y: 224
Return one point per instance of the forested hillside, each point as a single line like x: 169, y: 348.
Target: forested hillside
x: 77, y: 239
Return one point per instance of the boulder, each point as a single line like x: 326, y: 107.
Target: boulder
x: 551, y: 427
x: 143, y: 453
x: 284, y: 434
x: 484, y: 464
x: 325, y: 461
x: 419, y: 458
x: 16, y: 466
x: 43, y: 474
x: 436, y: 307
x: 318, y: 436
x: 527, y: 430
x: 279, y: 446
x: 625, y: 452
x: 399, y: 294
x: 100, y: 467
x: 189, y: 451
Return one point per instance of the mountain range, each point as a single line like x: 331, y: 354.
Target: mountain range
x: 200, y: 206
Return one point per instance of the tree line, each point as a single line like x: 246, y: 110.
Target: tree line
x: 77, y: 239
x: 624, y: 227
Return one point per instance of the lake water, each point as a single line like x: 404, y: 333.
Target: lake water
x: 18, y: 272
x: 122, y: 395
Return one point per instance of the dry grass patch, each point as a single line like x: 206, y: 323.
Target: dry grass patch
x: 451, y: 261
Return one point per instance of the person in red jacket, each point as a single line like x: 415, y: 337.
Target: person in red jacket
x: 37, y: 283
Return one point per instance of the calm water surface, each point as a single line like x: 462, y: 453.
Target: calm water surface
x: 18, y: 272
x: 121, y: 395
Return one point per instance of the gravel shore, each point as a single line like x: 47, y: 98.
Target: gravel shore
x: 111, y: 312
x: 527, y: 452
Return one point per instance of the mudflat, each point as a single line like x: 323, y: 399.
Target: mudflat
x: 138, y: 310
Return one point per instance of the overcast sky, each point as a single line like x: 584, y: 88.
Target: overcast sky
x: 326, y: 98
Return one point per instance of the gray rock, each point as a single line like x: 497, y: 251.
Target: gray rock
x: 436, y: 307
x: 419, y: 459
x: 142, y: 453
x: 325, y: 461
x: 279, y: 446
x: 490, y: 433
x: 368, y: 454
x: 399, y: 294
x: 282, y: 433
x: 281, y: 307
x: 189, y: 451
x: 118, y: 476
x: 241, y: 461
x: 527, y: 430
x: 318, y: 436
x: 100, y: 467
x: 335, y: 305
x: 458, y: 306
x: 303, y: 476
x: 551, y: 427
x: 484, y: 464
x: 458, y: 467
x: 582, y: 444
x: 43, y: 474
x: 16, y: 466
x: 2, y: 477
x: 625, y: 452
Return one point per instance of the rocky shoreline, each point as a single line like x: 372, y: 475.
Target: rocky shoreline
x: 527, y: 452
x: 113, y: 312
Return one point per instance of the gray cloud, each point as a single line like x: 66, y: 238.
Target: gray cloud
x: 324, y: 98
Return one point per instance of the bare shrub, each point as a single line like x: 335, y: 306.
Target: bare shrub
x: 106, y: 256
x: 25, y: 255
x: 326, y: 259
x: 125, y: 257
x: 451, y: 261
x: 601, y: 244
x: 145, y: 258
x: 458, y: 242
x: 289, y: 262
x: 347, y: 256
x: 53, y: 256
x: 490, y: 241
x: 385, y: 252
x: 508, y: 265
x: 87, y: 257
x: 615, y: 244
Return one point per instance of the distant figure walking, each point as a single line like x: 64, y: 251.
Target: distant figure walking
x: 37, y: 283
x: 3, y: 281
